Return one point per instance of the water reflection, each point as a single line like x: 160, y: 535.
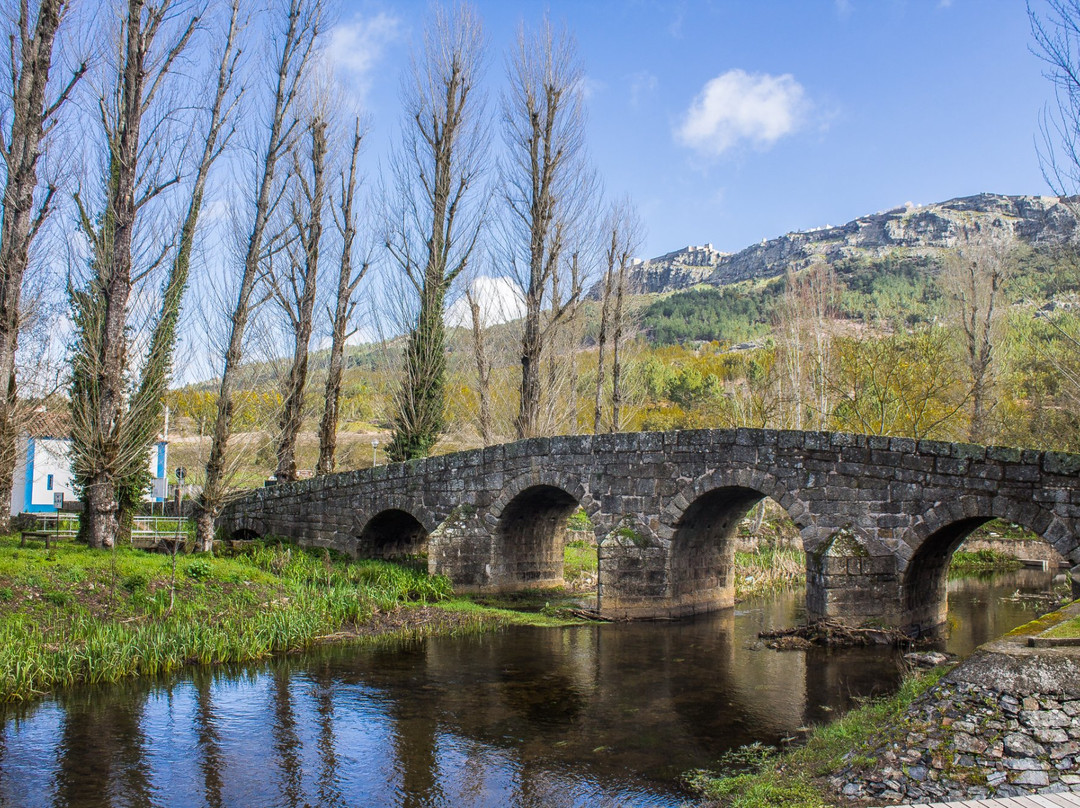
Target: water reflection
x: 598, y: 715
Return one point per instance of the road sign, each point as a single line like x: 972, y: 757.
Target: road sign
x: 58, y: 500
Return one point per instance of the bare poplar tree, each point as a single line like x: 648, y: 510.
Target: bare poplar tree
x: 973, y: 276
x: 30, y: 115
x: 548, y: 193
x: 138, y: 169
x: 1057, y: 43
x: 622, y: 234
x: 435, y: 220
x: 148, y: 402
x: 295, y: 291
x: 344, y: 307
x: 302, y: 22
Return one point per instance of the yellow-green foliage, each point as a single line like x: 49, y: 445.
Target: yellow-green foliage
x: 1070, y: 628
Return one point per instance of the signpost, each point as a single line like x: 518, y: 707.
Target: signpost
x: 58, y: 503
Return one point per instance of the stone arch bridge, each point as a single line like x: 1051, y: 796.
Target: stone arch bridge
x: 879, y: 517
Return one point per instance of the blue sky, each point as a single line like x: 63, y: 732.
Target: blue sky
x: 729, y: 122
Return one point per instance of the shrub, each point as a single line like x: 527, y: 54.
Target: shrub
x: 199, y: 569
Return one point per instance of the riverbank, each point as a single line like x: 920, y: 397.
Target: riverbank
x: 72, y: 615
x: 1006, y: 722
x: 798, y: 778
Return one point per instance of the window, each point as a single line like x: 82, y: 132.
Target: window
x: 48, y: 483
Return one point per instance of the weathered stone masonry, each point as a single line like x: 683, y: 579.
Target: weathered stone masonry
x: 879, y: 517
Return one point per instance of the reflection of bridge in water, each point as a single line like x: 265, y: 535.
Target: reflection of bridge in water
x: 879, y: 517
x: 530, y: 717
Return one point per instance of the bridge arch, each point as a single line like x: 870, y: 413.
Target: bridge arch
x: 936, y: 536
x: 530, y: 527
x: 393, y: 532
x: 700, y: 527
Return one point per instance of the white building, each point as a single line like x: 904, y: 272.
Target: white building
x: 43, y: 470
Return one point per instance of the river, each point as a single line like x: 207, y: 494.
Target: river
x: 600, y: 715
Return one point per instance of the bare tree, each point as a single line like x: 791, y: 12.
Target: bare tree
x: 630, y: 239
x: 482, y: 362
x: 30, y: 115
x: 139, y: 167
x: 302, y: 22
x: 973, y: 275
x: 344, y: 307
x: 435, y: 220
x: 808, y: 303
x: 548, y: 193
x: 1057, y: 44
x: 295, y: 292
x: 623, y: 235
x: 148, y: 401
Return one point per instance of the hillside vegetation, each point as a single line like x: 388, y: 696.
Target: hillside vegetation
x: 887, y: 355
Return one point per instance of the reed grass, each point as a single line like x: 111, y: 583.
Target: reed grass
x: 769, y: 568
x: 963, y: 561
x: 74, y: 615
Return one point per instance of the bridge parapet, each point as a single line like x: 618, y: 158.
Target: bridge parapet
x: 879, y: 517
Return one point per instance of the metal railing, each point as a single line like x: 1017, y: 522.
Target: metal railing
x: 146, y: 531
x: 57, y: 525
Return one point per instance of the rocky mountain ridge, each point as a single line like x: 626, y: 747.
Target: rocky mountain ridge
x: 922, y: 229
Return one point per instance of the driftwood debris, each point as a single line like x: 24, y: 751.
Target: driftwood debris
x: 831, y: 634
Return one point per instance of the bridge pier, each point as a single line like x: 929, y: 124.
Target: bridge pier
x: 849, y: 578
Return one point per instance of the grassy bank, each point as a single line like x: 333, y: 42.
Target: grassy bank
x: 756, y: 777
x: 981, y: 561
x: 75, y: 615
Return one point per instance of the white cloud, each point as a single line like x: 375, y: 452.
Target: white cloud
x: 738, y: 106
x: 500, y: 300
x: 590, y: 87
x: 354, y: 48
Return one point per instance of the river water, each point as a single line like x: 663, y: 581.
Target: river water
x: 606, y: 715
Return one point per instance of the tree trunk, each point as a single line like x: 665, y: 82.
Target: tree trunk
x: 531, y: 345
x: 483, y: 368
x: 616, y: 345
x: 302, y: 27
x: 31, y: 64
x: 98, y: 377
x: 342, y: 312
x: 605, y: 307
x: 302, y: 309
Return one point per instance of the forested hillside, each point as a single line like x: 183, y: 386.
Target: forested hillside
x: 873, y: 345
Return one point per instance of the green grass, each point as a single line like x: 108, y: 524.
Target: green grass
x: 76, y: 615
x: 487, y: 616
x: 793, y: 779
x: 579, y: 559
x: 981, y: 560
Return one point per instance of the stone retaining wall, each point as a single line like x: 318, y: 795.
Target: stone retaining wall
x: 1000, y: 725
